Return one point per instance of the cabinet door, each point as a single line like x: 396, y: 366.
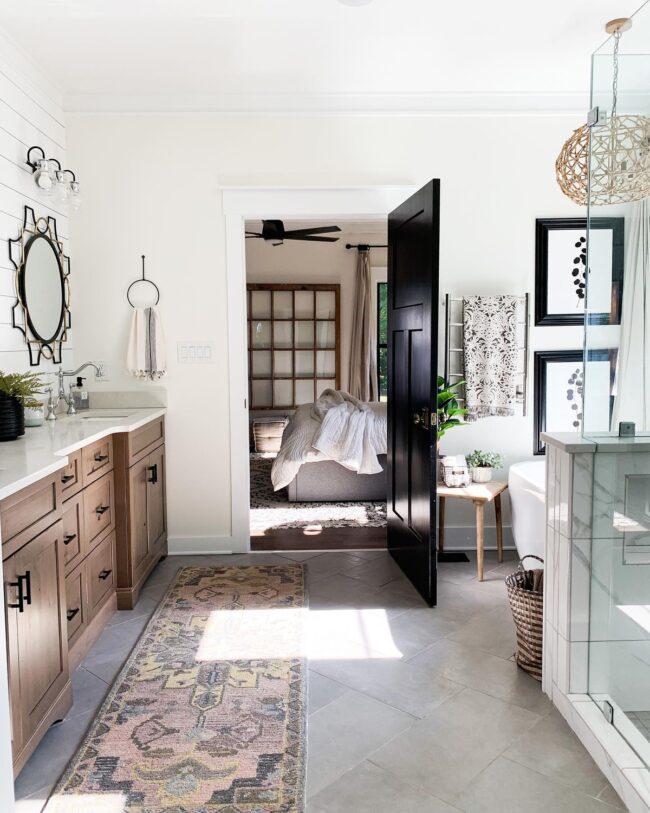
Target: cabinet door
x: 138, y: 474
x: 156, y: 496
x: 37, y: 625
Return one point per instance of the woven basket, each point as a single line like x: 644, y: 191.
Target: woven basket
x: 527, y: 607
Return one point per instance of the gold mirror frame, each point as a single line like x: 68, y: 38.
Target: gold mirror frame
x: 38, y: 347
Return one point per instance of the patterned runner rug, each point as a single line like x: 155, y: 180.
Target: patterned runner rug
x: 208, y: 713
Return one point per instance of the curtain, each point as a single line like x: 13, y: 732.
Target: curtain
x: 632, y: 398
x: 363, y: 348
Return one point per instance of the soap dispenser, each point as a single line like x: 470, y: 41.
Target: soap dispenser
x: 79, y: 394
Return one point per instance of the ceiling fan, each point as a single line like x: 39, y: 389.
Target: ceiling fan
x: 274, y: 231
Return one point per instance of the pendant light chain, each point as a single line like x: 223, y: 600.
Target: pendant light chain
x: 617, y: 40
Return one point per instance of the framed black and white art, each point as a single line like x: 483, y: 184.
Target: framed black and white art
x: 561, y: 270
x: 559, y: 397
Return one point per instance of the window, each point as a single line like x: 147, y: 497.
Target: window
x: 293, y: 343
x: 382, y: 339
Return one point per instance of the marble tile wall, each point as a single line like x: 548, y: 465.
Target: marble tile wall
x: 597, y: 599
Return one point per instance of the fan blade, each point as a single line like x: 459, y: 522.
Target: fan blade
x: 253, y: 234
x: 289, y: 236
x: 315, y: 230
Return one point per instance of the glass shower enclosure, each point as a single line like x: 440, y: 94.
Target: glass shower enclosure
x: 616, y: 394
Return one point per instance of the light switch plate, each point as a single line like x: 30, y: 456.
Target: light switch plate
x: 195, y: 352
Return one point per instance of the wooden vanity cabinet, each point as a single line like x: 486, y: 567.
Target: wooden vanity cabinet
x: 35, y: 613
x: 141, y: 509
x: 68, y: 541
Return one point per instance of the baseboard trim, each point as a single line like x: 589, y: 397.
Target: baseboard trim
x: 200, y: 545
x: 459, y: 538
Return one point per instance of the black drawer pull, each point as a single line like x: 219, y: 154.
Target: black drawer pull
x: 24, y: 595
x: 66, y: 478
x: 105, y: 574
x: 71, y: 613
x: 101, y: 509
x: 67, y: 539
x: 154, y: 474
x: 99, y: 458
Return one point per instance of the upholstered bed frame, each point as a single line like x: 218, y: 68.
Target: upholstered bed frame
x: 327, y: 481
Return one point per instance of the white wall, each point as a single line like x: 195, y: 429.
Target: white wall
x: 313, y: 264
x: 30, y: 114
x: 152, y: 185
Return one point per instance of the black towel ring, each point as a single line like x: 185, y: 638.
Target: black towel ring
x: 144, y: 279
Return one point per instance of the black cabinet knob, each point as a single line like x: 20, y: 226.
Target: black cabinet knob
x: 71, y: 613
x: 105, y: 574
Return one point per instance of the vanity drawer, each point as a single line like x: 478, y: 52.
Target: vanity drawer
x: 96, y: 460
x: 75, y: 591
x: 73, y: 531
x: 71, y: 476
x: 145, y: 439
x: 100, y: 573
x: 99, y: 508
x: 27, y: 513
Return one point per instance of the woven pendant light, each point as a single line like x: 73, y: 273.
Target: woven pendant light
x: 620, y: 152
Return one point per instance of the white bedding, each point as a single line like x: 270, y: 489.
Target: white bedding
x: 336, y: 427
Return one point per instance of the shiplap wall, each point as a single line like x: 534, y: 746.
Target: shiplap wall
x: 30, y: 113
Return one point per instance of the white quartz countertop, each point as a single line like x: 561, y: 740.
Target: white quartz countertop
x: 45, y: 449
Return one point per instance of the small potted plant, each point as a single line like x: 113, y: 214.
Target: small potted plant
x: 481, y: 464
x: 17, y: 392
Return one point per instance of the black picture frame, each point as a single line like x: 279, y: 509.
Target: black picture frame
x: 543, y: 226
x: 542, y: 358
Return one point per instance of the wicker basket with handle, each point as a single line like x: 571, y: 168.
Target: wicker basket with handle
x: 526, y: 596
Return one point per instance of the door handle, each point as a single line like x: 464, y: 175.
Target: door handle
x: 67, y: 539
x: 71, y: 613
x: 104, y: 574
x: 154, y: 474
x: 421, y: 417
x: 66, y: 478
x: 101, y: 509
x: 99, y: 458
x: 24, y: 595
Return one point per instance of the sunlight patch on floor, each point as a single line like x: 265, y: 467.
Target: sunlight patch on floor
x: 264, y: 519
x: 287, y: 633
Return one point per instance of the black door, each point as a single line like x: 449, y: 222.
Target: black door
x: 413, y: 239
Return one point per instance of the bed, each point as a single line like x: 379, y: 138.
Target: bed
x: 334, y: 451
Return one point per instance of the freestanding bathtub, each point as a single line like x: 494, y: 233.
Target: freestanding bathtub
x: 527, y: 486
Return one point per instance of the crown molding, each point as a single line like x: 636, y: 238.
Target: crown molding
x: 569, y: 104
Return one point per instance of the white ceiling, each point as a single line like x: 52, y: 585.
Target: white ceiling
x: 277, y: 55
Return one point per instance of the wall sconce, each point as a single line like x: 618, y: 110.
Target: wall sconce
x: 51, y: 179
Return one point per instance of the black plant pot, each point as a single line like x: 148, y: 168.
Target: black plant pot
x: 12, y: 418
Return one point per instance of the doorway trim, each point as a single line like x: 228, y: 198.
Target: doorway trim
x: 247, y: 203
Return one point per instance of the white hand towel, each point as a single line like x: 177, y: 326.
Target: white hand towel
x: 145, y: 357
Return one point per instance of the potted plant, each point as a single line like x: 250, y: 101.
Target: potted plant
x: 17, y: 391
x: 449, y: 413
x: 481, y: 465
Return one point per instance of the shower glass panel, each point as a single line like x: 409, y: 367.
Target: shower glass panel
x: 616, y: 389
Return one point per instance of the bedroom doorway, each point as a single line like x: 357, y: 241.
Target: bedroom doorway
x: 300, y: 320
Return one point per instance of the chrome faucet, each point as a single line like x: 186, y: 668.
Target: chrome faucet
x: 67, y: 399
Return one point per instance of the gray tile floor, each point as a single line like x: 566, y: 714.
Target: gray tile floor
x: 411, y: 709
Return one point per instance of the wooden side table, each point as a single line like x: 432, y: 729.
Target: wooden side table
x: 480, y: 494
